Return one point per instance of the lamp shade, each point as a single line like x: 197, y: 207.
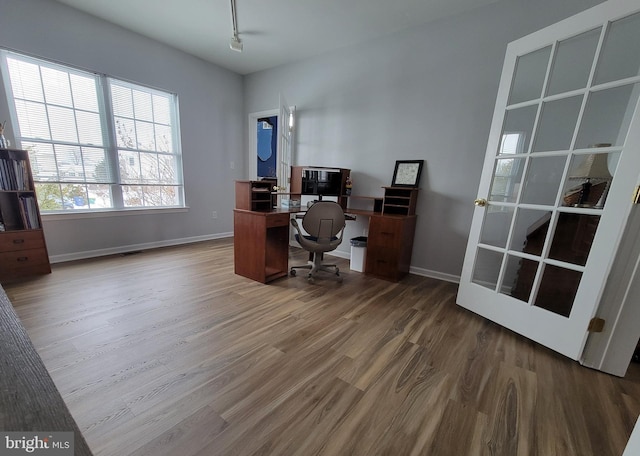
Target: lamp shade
x: 594, y: 166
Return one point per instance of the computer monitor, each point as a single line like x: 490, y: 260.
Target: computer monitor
x: 324, y: 182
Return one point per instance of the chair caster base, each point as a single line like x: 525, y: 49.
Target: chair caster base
x: 311, y: 277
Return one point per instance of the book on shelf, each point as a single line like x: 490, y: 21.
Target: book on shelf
x: 30, y: 211
x: 13, y: 175
x: 10, y: 212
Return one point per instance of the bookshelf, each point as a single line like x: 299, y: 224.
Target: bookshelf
x: 23, y: 251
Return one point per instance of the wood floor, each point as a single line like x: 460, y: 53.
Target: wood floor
x: 167, y: 352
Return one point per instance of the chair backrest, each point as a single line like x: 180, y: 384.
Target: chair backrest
x: 324, y: 220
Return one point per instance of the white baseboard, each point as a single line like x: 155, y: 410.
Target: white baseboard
x: 413, y: 270
x: 435, y: 274
x: 339, y: 254
x: 134, y: 247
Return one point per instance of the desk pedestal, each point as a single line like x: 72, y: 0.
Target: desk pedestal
x: 389, y: 246
x: 261, y: 244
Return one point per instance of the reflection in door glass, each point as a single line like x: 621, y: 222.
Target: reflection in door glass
x: 507, y: 177
x: 516, y: 134
x: 487, y: 268
x: 572, y: 62
x: 530, y: 231
x: 558, y: 289
x: 619, y: 58
x: 496, y: 225
x: 519, y: 277
x: 557, y: 124
x: 529, y: 77
x: 543, y: 179
x: 607, y: 116
x: 589, y: 179
x: 573, y: 237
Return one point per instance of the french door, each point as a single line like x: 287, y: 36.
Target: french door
x: 285, y: 145
x: 562, y: 160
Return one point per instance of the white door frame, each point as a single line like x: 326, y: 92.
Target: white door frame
x: 612, y: 349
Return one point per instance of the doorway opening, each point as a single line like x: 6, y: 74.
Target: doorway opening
x: 267, y: 147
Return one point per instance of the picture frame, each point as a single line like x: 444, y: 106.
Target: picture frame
x: 407, y: 173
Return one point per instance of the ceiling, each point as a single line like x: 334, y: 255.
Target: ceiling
x: 273, y: 32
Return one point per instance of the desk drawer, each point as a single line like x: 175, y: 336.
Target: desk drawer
x: 277, y: 220
x: 11, y: 262
x: 382, y: 261
x: 21, y: 240
x: 385, y: 232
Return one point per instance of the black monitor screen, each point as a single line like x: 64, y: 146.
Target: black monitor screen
x: 321, y: 182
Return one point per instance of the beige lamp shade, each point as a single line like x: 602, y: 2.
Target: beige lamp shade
x: 593, y: 167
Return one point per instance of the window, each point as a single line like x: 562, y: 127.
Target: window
x: 95, y: 143
x: 508, y: 171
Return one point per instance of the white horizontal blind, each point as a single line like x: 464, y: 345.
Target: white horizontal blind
x: 65, y: 120
x: 147, y: 153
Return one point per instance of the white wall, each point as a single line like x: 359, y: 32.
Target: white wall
x: 426, y: 93
x: 211, y: 118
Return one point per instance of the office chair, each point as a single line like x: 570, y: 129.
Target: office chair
x: 324, y: 222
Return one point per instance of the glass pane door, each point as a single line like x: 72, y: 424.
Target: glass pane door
x: 557, y: 157
x: 560, y: 132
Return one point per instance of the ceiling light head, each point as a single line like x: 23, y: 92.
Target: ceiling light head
x: 235, y: 44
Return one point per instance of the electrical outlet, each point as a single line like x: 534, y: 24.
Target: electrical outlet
x: 232, y: 165
x: 214, y: 214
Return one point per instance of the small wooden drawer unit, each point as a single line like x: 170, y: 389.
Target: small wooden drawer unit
x: 22, y: 253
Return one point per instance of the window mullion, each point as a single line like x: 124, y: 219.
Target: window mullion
x: 79, y: 143
x: 48, y: 116
x: 104, y: 98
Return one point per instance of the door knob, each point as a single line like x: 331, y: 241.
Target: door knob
x: 480, y: 202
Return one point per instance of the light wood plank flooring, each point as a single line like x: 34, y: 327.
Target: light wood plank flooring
x: 167, y: 352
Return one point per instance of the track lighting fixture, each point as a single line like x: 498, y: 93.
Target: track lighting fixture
x: 235, y: 44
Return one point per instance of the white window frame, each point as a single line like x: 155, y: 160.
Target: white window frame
x: 110, y: 144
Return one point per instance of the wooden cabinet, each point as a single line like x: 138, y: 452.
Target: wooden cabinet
x: 389, y: 246
x: 255, y: 195
x: 261, y: 244
x: 391, y: 232
x: 23, y: 251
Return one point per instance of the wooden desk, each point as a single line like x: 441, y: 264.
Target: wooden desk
x: 261, y: 244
